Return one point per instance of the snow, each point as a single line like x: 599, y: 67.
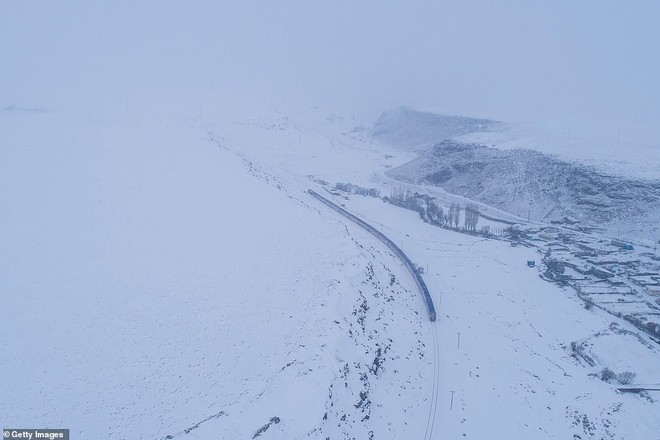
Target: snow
x: 166, y: 274
x: 175, y: 280
x: 513, y: 373
x: 579, y: 180
x: 622, y: 148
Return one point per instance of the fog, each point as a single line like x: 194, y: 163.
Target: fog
x: 562, y: 60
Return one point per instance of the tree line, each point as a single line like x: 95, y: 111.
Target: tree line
x: 432, y: 212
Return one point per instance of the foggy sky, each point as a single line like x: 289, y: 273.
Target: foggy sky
x: 582, y: 60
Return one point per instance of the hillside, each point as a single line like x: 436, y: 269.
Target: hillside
x: 415, y: 130
x: 540, y: 187
x: 162, y: 283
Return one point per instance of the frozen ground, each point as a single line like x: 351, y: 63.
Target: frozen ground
x: 166, y: 276
x: 630, y: 148
x: 512, y: 371
x: 531, y: 172
x: 627, y: 149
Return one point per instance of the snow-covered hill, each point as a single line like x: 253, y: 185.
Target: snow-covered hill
x: 543, y: 188
x: 528, y: 175
x: 158, y: 283
x: 416, y: 130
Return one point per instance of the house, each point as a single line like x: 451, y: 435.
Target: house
x: 623, y: 245
x: 601, y: 272
x: 653, y: 291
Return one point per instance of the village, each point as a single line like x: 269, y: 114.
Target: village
x: 606, y: 273
x: 609, y: 274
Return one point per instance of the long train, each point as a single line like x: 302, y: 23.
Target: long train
x: 390, y: 244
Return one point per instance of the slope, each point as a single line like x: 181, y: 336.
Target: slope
x: 161, y: 284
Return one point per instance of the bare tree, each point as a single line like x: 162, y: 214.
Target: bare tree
x: 471, y: 217
x: 435, y: 213
x: 626, y: 377
x: 607, y: 375
x: 450, y: 214
x: 454, y: 214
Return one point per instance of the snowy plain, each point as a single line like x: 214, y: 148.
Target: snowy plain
x: 167, y: 276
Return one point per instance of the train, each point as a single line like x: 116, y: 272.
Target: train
x: 390, y: 244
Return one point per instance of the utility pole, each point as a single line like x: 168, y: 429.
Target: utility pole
x: 451, y: 402
x: 459, y: 340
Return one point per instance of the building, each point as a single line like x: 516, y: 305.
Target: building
x: 623, y: 245
x: 653, y: 291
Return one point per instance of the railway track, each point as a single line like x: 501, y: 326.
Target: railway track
x: 390, y: 244
x: 433, y: 408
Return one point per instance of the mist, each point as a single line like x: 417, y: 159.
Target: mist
x: 562, y: 60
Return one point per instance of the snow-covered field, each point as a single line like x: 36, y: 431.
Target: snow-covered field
x: 165, y: 275
x: 505, y: 343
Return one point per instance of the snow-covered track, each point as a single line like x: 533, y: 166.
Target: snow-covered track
x: 433, y: 409
x: 428, y: 434
x: 390, y: 244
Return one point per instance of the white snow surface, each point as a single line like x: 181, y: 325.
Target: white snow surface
x: 626, y: 149
x: 619, y: 147
x: 167, y: 276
